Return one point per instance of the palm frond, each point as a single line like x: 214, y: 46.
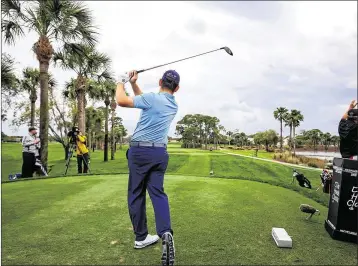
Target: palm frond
x: 105, y: 75
x: 69, y: 94
x: 33, y: 19
x: 94, y: 90
x: 59, y: 59
x: 10, y: 6
x: 52, y: 82
x: 9, y: 81
x: 11, y: 30
x: 72, y: 21
x: 75, y: 49
x: 84, y: 25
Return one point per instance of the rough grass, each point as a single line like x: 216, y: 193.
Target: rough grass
x: 84, y: 220
x: 288, y: 158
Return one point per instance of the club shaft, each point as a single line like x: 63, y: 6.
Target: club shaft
x: 142, y: 70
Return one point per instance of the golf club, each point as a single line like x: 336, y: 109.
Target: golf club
x: 227, y: 49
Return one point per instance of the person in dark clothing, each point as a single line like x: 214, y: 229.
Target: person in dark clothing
x: 348, y: 132
x: 30, y: 149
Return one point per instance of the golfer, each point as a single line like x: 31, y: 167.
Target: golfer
x: 148, y: 159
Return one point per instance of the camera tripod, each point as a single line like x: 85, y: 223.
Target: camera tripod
x: 73, y: 147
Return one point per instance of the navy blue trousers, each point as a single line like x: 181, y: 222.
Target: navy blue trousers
x: 147, y: 166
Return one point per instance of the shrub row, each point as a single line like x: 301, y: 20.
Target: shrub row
x: 289, y: 158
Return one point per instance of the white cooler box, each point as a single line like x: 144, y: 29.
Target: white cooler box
x: 282, y: 239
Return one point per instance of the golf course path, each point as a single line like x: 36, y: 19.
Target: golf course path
x: 273, y: 161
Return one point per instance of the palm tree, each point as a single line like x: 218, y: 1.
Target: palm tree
x: 9, y: 83
x: 91, y: 116
x: 229, y: 134
x: 280, y: 114
x: 88, y: 64
x: 326, y: 139
x: 64, y: 21
x: 30, y: 83
x: 296, y: 118
x: 113, y: 139
x: 288, y: 119
x: 335, y: 141
x: 315, y: 136
x: 99, y: 134
x: 106, y: 92
x: 69, y: 93
x: 119, y: 132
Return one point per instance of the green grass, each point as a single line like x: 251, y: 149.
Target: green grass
x: 12, y: 161
x: 182, y: 161
x: 84, y: 220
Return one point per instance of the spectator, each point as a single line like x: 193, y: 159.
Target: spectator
x: 82, y: 153
x: 31, y: 146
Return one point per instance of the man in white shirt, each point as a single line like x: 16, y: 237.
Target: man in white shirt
x: 30, y: 150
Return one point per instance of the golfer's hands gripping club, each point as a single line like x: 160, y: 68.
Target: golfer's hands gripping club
x: 123, y: 78
x: 131, y: 76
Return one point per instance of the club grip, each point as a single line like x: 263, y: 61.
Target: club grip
x: 140, y: 71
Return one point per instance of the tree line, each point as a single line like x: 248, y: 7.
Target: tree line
x: 199, y: 131
x: 312, y: 138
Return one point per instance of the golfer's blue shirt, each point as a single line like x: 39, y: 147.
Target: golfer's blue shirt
x: 158, y: 112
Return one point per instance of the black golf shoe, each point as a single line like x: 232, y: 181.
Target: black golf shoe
x: 168, y: 253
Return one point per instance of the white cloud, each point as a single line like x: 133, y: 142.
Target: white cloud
x: 303, y: 53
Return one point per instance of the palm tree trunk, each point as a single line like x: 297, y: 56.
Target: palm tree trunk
x: 89, y: 139
x: 44, y: 113
x: 294, y: 141
x: 290, y: 138
x: 281, y: 140
x: 105, y: 155
x: 81, y: 110
x: 112, y: 135
x: 32, y: 119
x: 44, y: 52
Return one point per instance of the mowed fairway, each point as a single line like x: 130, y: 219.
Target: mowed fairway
x: 84, y: 220
x: 221, y: 219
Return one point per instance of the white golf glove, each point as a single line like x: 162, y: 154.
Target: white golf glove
x: 123, y: 78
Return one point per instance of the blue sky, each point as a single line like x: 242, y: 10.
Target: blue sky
x: 300, y: 55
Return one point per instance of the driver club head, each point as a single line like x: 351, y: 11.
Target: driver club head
x: 227, y: 49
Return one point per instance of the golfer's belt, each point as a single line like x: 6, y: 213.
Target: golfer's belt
x: 147, y: 144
